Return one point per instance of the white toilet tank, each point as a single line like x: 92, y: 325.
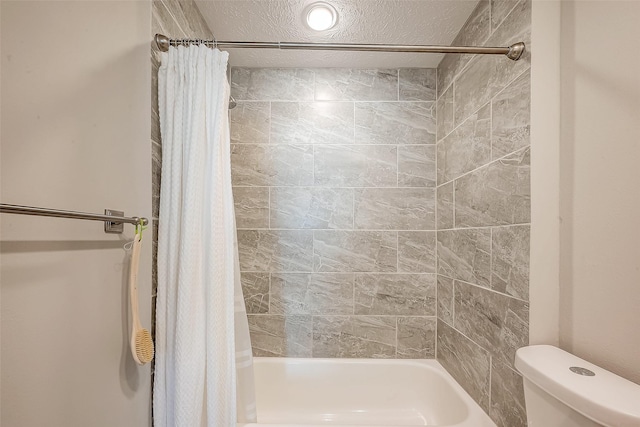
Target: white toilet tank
x: 562, y: 390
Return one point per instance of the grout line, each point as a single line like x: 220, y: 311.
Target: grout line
x: 454, y: 86
x: 353, y: 286
x: 509, y: 83
x: 491, y: 129
x: 397, y: 252
x: 336, y: 187
x: 397, y: 167
x: 483, y: 227
x: 344, y: 273
x: 270, y: 208
x: 487, y: 164
x: 270, y: 122
x: 386, y: 316
x: 269, y: 305
x: 453, y: 204
x: 304, y: 144
x: 490, y: 375
x: 396, y: 337
x: 453, y: 303
x: 484, y: 288
x: 491, y: 258
x: 335, y: 101
x: 491, y: 30
x: 353, y: 210
x: 354, y: 123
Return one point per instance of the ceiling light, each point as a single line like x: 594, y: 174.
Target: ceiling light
x: 321, y: 16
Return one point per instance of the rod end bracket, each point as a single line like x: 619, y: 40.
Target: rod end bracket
x: 113, y: 227
x: 515, y: 51
x: 162, y: 42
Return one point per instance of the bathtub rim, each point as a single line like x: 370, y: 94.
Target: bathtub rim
x: 477, y: 417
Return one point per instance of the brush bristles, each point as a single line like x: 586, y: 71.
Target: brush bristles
x: 144, y: 346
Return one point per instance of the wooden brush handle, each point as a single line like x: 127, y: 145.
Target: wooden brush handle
x: 133, y: 283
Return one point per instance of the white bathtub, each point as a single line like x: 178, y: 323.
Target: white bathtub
x: 363, y: 392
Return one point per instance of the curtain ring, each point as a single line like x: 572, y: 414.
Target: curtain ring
x: 215, y: 42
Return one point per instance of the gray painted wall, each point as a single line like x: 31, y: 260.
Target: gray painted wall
x: 599, y: 199
x: 75, y: 129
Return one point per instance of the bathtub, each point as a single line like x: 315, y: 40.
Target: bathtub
x: 360, y: 392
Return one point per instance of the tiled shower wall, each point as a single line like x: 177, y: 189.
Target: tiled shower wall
x: 334, y: 185
x: 483, y: 200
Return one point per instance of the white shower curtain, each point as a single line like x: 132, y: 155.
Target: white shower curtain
x: 203, y: 370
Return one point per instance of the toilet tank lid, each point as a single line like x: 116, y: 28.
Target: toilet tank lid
x: 605, y: 397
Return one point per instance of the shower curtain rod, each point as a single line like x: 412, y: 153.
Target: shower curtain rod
x: 513, y: 52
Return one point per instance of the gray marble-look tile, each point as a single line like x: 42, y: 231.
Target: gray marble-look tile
x: 444, y: 123
x: 275, y: 250
x: 355, y: 165
x: 416, y: 166
x: 155, y: 116
x: 494, y: 321
x: 466, y: 361
x: 187, y: 16
x: 417, y: 251
x: 255, y: 288
x: 445, y: 205
x: 445, y: 299
x: 318, y: 293
x: 355, y: 251
x: 487, y: 75
x: 154, y: 258
x: 251, y: 206
x: 395, y: 123
x: 280, y: 336
x: 395, y: 294
x: 465, y: 254
x: 309, y: 207
x: 354, y: 336
x: 195, y: 22
x: 498, y: 194
x: 156, y: 170
x: 268, y: 165
x: 417, y: 84
x: 510, y: 260
x: 507, y: 397
x: 467, y: 147
x: 395, y: 208
x: 500, y: 9
x: 511, y: 117
x: 474, y: 33
x: 345, y: 84
x: 311, y: 122
x: 416, y: 337
x: 163, y: 20
x: 155, y: 206
x: 249, y: 122
x: 272, y: 84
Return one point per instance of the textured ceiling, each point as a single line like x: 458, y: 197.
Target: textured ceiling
x: 433, y: 22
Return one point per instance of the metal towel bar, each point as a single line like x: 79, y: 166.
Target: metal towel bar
x: 113, y: 220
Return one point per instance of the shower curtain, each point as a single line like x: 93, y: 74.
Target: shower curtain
x: 204, y: 370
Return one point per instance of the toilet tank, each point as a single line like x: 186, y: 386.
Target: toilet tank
x: 562, y: 390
